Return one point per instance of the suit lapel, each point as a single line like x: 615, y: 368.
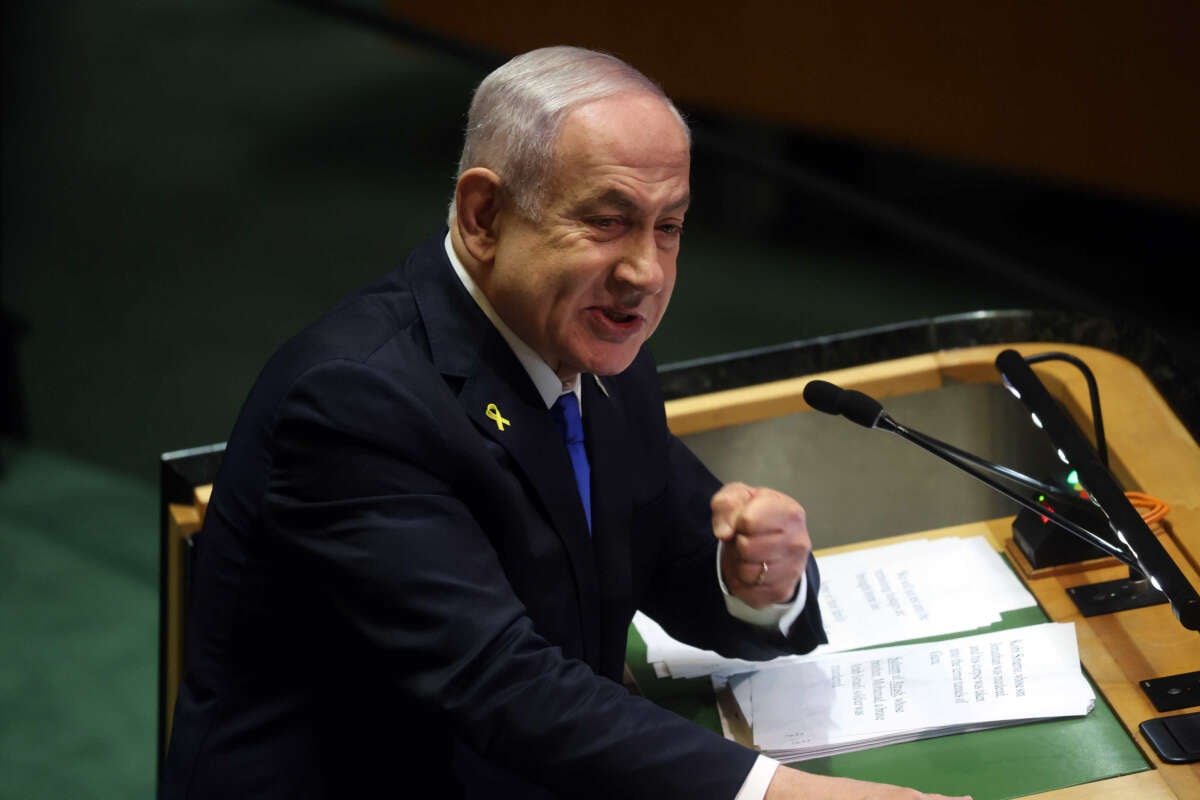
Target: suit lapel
x: 606, y: 431
x: 534, y: 444
x: 526, y: 431
x: 500, y: 399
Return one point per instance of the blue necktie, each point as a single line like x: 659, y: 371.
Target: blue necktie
x: 566, y: 416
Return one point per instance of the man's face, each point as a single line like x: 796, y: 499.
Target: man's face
x: 588, y: 283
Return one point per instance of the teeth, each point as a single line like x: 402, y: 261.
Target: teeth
x: 617, y: 316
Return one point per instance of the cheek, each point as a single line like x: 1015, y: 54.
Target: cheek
x: 668, y: 288
x: 543, y: 284
x: 660, y: 308
x: 670, y: 270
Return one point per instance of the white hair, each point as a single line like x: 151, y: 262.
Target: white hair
x: 518, y: 110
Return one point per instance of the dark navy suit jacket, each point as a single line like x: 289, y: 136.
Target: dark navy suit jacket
x: 392, y: 591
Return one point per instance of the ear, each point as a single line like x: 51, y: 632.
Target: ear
x: 476, y: 207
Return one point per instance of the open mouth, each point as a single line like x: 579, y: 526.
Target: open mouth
x: 618, y: 316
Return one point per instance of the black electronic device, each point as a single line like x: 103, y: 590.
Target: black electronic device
x: 1173, y: 692
x: 1040, y: 539
x: 1176, y: 739
x: 1042, y: 543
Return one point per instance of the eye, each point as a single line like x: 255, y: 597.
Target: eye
x: 669, y: 235
x: 605, y: 223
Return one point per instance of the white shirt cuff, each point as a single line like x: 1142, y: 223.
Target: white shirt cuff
x: 781, y: 615
x: 758, y: 779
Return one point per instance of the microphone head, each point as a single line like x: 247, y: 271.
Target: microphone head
x: 823, y: 396
x: 858, y: 407
x: 853, y: 405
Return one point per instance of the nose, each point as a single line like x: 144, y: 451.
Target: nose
x: 640, y: 267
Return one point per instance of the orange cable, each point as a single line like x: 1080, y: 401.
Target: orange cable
x: 1151, y: 508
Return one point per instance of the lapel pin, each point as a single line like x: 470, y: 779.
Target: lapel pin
x: 494, y: 415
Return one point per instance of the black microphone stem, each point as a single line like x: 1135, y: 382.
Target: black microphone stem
x: 961, y: 457
x: 969, y: 464
x: 970, y: 458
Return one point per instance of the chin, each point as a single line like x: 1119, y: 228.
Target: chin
x: 611, y: 364
x: 602, y: 357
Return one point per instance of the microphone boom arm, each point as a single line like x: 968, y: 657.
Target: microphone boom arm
x: 976, y: 468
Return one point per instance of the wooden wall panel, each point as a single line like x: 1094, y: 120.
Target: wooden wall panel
x: 1103, y: 95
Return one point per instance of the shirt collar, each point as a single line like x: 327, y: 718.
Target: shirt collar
x: 548, y: 385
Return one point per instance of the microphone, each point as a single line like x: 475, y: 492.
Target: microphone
x: 865, y: 410
x: 849, y: 403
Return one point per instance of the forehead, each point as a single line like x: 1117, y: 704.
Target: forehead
x: 623, y: 143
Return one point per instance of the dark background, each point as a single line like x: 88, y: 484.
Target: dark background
x: 185, y: 184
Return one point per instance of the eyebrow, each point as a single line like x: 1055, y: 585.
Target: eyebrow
x: 621, y: 200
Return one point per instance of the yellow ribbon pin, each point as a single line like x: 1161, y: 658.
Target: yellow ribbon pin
x: 493, y: 414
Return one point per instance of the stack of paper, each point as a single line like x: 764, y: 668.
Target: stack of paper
x: 875, y: 596
x: 915, y: 589
x: 850, y: 701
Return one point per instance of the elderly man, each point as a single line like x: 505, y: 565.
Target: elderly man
x: 408, y: 581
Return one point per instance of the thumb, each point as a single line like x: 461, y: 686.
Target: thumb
x: 727, y: 505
